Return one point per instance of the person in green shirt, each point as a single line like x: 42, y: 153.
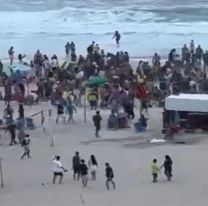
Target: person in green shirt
x: 155, y: 169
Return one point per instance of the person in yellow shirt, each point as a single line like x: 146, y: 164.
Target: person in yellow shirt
x: 93, y: 99
x: 155, y: 169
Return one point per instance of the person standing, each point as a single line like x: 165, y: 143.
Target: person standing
x: 192, y: 47
x: 205, y: 59
x: 21, y: 111
x: 76, y: 166
x: 156, y: 61
x: 109, y: 175
x: 93, y: 99
x: 26, y: 146
x: 9, y: 111
x: 60, y: 113
x: 67, y: 49
x: 21, y: 134
x: 11, y: 55
x: 155, y: 169
x: 117, y: 37
x: 12, y: 130
x: 167, y: 167
x: 7, y: 91
x: 58, y: 170
x: 92, y: 163
x: 97, y: 122
x: 84, y: 173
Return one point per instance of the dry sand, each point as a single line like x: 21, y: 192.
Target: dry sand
x: 129, y: 158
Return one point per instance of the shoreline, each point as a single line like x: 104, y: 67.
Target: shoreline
x: 134, y: 61
x: 138, y: 46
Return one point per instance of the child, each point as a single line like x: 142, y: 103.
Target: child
x: 155, y: 169
x: 26, y: 145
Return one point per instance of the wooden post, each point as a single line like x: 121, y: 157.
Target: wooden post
x: 85, y: 108
x: 52, y: 141
x: 1, y: 174
x: 42, y: 118
x: 49, y: 112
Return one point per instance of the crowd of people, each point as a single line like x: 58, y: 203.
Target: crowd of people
x: 81, y: 170
x: 151, y: 83
x: 64, y: 84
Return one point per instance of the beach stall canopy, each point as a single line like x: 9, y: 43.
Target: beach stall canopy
x: 96, y: 81
x: 187, y: 102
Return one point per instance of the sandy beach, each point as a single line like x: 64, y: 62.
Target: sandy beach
x: 129, y: 158
x: 102, y: 43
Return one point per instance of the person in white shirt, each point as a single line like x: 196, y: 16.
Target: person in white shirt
x: 58, y: 170
x: 92, y: 163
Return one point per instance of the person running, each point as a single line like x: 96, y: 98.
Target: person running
x: 11, y: 55
x: 58, y: 170
x: 76, y: 166
x: 155, y: 169
x: 97, y: 122
x: 167, y: 167
x: 117, y: 37
x: 70, y: 109
x: 26, y: 146
x: 92, y: 163
x: 84, y: 173
x: 109, y: 175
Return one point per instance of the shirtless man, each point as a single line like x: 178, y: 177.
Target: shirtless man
x: 117, y: 37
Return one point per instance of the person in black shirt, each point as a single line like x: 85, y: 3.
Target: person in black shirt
x: 97, y: 122
x: 21, y: 111
x: 76, y: 166
x: 67, y: 49
x: 167, y: 167
x: 109, y: 175
x: 84, y: 173
x: 117, y: 36
x: 60, y: 113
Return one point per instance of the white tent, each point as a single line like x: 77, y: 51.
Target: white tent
x: 187, y: 102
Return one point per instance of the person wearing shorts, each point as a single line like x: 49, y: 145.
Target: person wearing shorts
x: 60, y: 113
x: 84, y: 173
x: 58, y: 170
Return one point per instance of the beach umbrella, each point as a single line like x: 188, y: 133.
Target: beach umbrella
x: 96, y: 81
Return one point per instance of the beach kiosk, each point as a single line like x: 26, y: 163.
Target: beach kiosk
x: 186, y: 111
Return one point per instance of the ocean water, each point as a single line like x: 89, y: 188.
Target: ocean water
x: 147, y: 26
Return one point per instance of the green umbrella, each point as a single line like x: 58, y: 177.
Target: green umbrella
x: 96, y: 81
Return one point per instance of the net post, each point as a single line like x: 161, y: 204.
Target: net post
x: 1, y: 173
